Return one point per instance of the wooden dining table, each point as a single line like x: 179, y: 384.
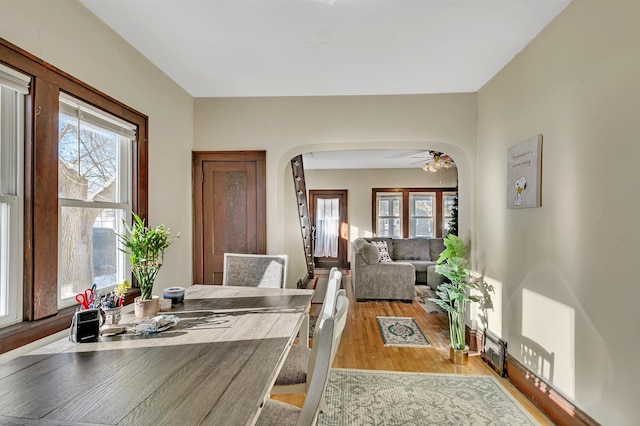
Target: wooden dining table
x: 216, y: 366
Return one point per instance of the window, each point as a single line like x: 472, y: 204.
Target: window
x: 448, y: 200
x: 411, y: 212
x: 93, y: 186
x: 13, y: 87
x: 421, y: 214
x: 388, y: 219
x: 52, y: 120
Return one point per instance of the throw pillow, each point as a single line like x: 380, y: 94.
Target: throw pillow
x: 369, y: 253
x: 383, y: 249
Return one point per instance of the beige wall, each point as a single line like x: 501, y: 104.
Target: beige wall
x: 65, y: 34
x: 568, y: 269
x: 286, y: 127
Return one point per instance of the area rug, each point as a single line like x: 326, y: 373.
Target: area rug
x: 312, y: 324
x: 368, y: 397
x: 401, y: 331
x: 423, y: 293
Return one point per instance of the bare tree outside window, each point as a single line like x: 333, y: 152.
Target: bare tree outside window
x: 90, y: 174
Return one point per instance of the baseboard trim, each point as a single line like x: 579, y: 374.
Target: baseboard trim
x: 559, y: 409
x: 302, y: 282
x: 474, y: 337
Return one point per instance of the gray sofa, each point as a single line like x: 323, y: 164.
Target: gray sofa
x: 413, y: 261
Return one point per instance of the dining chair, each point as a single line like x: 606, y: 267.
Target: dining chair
x: 282, y: 414
x: 327, y: 309
x: 255, y: 270
x: 330, y: 297
x: 294, y: 375
x: 332, y: 273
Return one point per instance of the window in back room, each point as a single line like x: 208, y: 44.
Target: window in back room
x: 412, y: 212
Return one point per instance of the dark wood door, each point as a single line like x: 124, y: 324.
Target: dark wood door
x: 340, y: 260
x: 229, y: 209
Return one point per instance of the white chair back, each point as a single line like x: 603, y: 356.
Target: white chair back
x: 335, y: 273
x: 328, y: 304
x: 327, y: 344
x: 255, y: 270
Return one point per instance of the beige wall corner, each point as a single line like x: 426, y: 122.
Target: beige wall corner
x: 566, y: 268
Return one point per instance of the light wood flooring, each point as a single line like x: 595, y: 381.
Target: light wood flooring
x: 361, y: 347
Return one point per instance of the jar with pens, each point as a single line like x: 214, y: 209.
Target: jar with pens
x: 111, y: 304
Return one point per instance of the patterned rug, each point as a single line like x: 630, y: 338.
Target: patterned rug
x: 367, y: 397
x: 401, y: 331
x: 423, y: 293
x: 312, y: 324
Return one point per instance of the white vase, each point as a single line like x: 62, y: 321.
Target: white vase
x: 146, y: 308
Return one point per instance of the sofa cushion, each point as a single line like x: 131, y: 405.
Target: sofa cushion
x: 420, y: 265
x: 389, y: 242
x: 436, y: 246
x: 369, y: 253
x: 383, y: 249
x: 411, y: 249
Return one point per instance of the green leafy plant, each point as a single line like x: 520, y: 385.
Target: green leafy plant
x: 455, y: 294
x: 145, y: 247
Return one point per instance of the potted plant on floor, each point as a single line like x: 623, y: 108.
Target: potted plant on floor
x: 455, y: 294
x: 145, y: 247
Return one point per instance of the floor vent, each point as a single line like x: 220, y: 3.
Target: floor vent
x: 494, y: 352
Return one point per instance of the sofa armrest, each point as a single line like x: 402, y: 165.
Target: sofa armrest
x: 388, y: 280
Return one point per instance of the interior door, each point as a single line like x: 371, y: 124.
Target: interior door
x: 328, y: 261
x: 229, y: 209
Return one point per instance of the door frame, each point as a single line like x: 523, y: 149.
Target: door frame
x: 343, y: 238
x: 198, y: 160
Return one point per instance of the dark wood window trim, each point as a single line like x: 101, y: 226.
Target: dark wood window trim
x: 404, y: 215
x: 40, y: 313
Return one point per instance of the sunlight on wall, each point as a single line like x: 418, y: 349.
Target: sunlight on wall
x: 548, y: 325
x: 493, y: 309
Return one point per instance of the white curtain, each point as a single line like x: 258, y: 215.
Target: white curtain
x: 327, y: 227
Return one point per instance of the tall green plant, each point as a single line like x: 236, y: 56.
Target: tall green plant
x: 454, y: 295
x: 145, y: 247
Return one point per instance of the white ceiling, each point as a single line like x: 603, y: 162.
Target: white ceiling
x: 230, y: 48
x: 367, y: 159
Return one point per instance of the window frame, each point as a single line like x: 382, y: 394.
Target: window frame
x: 446, y: 218
x: 389, y: 195
x: 405, y: 216
x: 13, y: 199
x: 121, y: 202
x: 413, y: 217
x: 41, y: 316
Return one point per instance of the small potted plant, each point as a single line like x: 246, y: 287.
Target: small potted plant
x: 145, y: 247
x: 455, y: 294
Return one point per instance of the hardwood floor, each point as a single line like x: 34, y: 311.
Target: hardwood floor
x: 361, y: 347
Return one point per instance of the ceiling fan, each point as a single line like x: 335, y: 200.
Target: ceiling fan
x: 436, y: 160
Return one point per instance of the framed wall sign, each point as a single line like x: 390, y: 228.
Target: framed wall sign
x: 524, y: 174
